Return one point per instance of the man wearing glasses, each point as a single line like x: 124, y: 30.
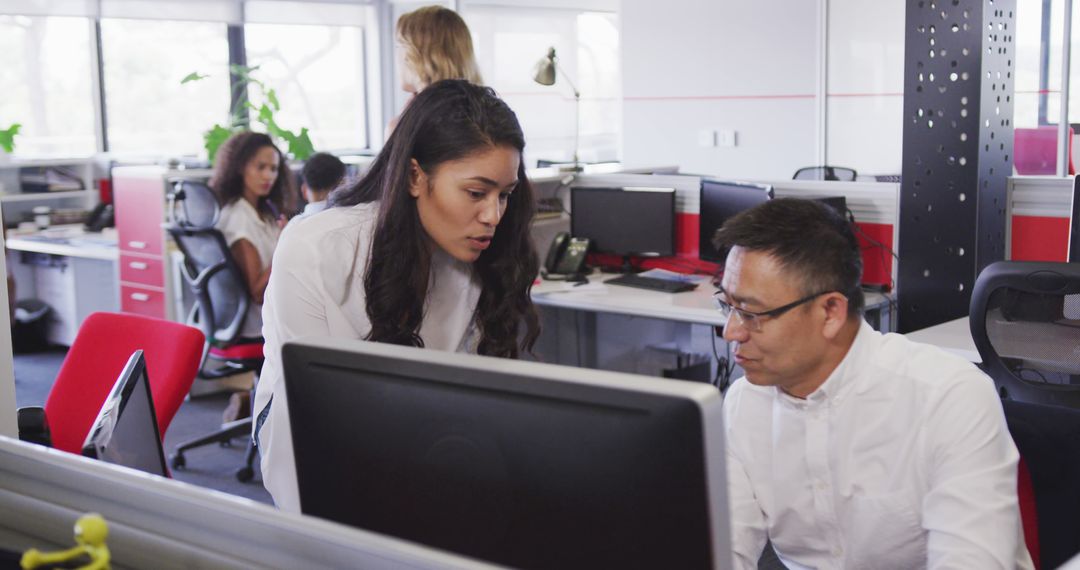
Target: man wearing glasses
x: 848, y: 448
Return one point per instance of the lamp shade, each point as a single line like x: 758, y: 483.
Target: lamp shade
x: 544, y: 74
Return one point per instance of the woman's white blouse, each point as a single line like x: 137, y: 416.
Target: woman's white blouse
x: 238, y: 221
x: 317, y: 289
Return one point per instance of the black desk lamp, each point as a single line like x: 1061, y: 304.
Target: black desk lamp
x: 545, y: 75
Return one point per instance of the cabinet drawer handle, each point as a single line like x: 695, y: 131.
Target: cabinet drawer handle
x: 137, y: 265
x: 137, y: 244
x: 140, y: 297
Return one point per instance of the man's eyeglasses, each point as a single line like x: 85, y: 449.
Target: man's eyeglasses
x: 753, y: 320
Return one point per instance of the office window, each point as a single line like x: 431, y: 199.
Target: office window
x: 1030, y: 76
x: 510, y: 40
x: 318, y: 74
x: 148, y: 111
x: 46, y: 84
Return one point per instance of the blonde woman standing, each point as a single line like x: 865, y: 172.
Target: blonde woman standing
x: 433, y: 43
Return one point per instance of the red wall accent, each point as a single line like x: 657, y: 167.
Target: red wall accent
x: 877, y: 261
x: 1040, y: 238
x: 877, y: 264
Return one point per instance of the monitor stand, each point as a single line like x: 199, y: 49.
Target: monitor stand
x: 626, y: 267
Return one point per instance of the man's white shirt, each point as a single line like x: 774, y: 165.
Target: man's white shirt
x: 901, y: 459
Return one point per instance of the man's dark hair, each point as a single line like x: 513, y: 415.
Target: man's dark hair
x: 323, y: 172
x: 808, y: 238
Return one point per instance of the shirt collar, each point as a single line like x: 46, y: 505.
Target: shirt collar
x: 318, y: 206
x: 842, y: 378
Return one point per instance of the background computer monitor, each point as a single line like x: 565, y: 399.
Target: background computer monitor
x: 625, y: 221
x: 720, y: 200
x: 518, y: 463
x: 126, y: 429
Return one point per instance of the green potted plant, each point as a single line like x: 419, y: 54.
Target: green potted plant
x: 261, y: 99
x: 7, y: 140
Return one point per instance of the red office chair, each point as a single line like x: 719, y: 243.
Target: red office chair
x: 101, y: 349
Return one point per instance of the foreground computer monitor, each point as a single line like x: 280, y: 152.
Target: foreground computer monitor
x: 518, y: 463
x: 721, y: 200
x: 126, y: 429
x: 636, y: 222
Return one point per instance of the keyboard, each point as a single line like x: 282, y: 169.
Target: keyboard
x: 651, y: 283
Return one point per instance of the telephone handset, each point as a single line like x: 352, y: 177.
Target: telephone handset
x: 566, y: 258
x: 100, y: 218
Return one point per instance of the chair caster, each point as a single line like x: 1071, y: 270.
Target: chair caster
x: 177, y: 461
x: 245, y: 474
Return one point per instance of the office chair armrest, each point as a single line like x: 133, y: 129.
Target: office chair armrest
x: 34, y: 426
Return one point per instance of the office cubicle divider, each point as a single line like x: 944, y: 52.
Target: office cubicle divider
x: 160, y: 523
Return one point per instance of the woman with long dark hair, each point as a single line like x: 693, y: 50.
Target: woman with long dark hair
x: 430, y: 249
x: 253, y: 185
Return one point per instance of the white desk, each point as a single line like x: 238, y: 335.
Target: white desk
x: 68, y: 240
x: 953, y: 336
x: 79, y: 277
x: 619, y: 328
x: 695, y: 307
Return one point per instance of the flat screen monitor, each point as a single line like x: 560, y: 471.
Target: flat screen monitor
x: 1074, y: 223
x: 518, y: 463
x: 625, y: 221
x: 126, y: 429
x: 720, y: 200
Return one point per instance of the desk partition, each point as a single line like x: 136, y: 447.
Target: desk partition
x: 1038, y: 210
x: 161, y: 523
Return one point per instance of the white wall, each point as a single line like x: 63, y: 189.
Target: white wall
x: 754, y: 67
x: 865, y: 85
x: 749, y: 66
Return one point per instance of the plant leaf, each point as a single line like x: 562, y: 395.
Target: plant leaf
x: 7, y: 137
x: 300, y: 146
x: 271, y: 96
x: 214, y: 138
x: 266, y: 115
x: 193, y: 76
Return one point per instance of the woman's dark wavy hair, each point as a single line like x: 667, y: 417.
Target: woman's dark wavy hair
x: 228, y: 179
x: 449, y: 120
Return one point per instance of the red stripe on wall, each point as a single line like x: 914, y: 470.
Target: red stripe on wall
x: 1040, y: 238
x: 865, y: 95
x: 877, y: 262
x: 714, y: 97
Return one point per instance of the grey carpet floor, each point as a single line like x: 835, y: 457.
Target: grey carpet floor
x: 212, y: 466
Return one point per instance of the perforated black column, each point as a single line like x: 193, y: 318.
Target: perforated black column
x: 958, y: 133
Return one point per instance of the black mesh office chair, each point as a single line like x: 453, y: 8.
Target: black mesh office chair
x: 825, y: 173
x: 221, y: 302
x: 1025, y: 320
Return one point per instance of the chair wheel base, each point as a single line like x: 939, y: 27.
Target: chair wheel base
x: 177, y: 461
x: 245, y: 474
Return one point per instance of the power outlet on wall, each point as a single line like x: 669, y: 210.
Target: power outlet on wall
x: 726, y: 137
x: 706, y: 137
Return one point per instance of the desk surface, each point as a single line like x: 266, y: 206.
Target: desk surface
x: 953, y: 336
x: 68, y: 240
x: 696, y: 307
